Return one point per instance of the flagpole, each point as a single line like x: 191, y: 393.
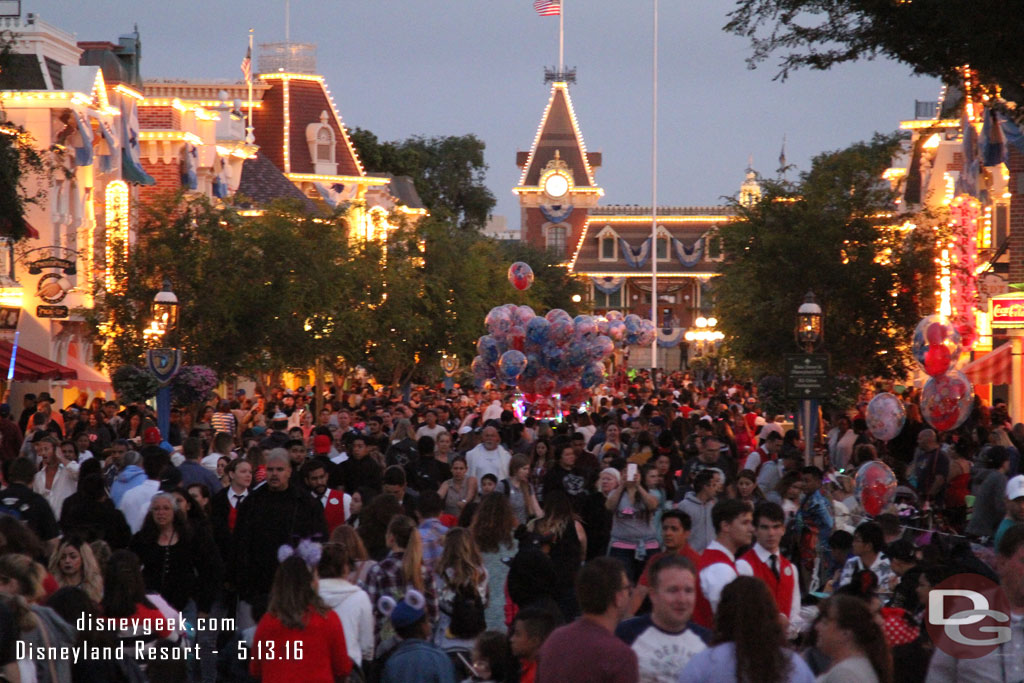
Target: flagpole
x: 654, y: 199
x: 561, y: 37
x: 249, y: 137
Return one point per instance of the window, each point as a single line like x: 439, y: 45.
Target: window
x: 662, y: 248
x: 714, y: 247
x: 613, y: 300
x: 556, y: 241
x: 608, y: 248
x: 325, y: 145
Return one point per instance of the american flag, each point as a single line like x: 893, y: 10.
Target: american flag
x: 247, y: 65
x: 548, y: 8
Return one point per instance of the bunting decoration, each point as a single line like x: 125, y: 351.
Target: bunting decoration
x: 131, y: 151
x: 992, y: 143
x: 83, y: 141
x: 109, y: 151
x: 688, y: 258
x: 189, y: 161
x: 636, y: 258
x: 967, y: 182
x: 670, y: 337
x: 220, y: 186
x: 556, y: 214
x: 608, y: 285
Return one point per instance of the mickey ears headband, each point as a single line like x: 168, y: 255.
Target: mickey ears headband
x: 308, y: 551
x: 413, y: 598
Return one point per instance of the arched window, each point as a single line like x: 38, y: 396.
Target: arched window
x: 321, y: 140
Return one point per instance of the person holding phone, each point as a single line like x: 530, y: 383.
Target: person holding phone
x: 634, y: 536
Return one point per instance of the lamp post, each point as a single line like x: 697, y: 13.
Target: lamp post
x: 809, y: 333
x: 163, y: 362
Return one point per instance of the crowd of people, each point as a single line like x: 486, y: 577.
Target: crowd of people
x: 663, y: 532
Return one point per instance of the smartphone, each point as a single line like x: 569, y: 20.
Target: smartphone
x: 631, y: 472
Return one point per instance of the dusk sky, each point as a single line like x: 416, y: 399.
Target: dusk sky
x: 450, y: 67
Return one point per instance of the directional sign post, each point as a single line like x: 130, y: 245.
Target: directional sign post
x: 807, y: 375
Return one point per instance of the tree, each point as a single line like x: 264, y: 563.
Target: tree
x: 833, y: 232
x: 448, y: 172
x: 934, y: 37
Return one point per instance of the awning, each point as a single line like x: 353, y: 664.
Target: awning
x: 88, y: 378
x: 31, y: 367
x: 992, y: 368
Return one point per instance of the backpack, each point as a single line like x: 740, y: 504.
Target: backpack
x: 467, y: 613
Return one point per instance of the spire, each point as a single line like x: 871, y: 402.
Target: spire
x: 750, y: 190
x: 558, y: 137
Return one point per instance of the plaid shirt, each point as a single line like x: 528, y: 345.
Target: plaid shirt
x: 432, y: 532
x: 385, y: 578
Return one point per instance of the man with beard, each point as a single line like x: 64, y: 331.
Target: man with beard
x: 336, y: 503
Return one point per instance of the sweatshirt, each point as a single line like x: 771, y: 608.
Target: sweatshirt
x: 702, y: 530
x: 352, y: 605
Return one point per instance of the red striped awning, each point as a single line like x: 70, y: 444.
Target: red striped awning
x: 992, y: 368
x: 31, y: 367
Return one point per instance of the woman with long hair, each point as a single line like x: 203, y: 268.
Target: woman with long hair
x: 747, y: 489
x: 443, y: 448
x: 73, y: 564
x: 789, y: 491
x: 373, y: 524
x: 459, y: 489
x: 561, y: 536
x: 461, y: 580
x: 852, y: 638
x: 634, y: 532
x: 492, y: 534
x: 359, y: 562
x: 349, y: 601
x: 519, y: 490
x: 401, y: 570
x: 748, y: 642
x: 540, y: 453
x: 179, y: 561
x: 299, y: 639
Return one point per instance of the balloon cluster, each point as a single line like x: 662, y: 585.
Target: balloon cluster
x: 520, y: 275
x: 947, y: 398
x: 627, y: 330
x: 543, y: 355
x: 885, y: 416
x: 876, y: 486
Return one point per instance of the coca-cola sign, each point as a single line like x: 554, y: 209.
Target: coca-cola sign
x: 1007, y: 310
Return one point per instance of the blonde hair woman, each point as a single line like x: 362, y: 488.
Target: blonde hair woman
x: 73, y: 564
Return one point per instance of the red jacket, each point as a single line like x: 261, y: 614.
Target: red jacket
x: 703, y: 615
x: 334, y: 510
x: 781, y: 588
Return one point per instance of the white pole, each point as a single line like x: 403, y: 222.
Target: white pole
x: 249, y: 137
x: 654, y: 198
x: 561, y: 37
x: 287, y: 21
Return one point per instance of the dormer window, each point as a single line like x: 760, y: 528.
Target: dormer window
x: 321, y: 140
x: 607, y: 244
x: 662, y: 247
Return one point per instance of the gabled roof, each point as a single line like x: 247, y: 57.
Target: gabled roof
x: 263, y: 183
x: 632, y: 225
x: 559, y: 131
x: 293, y: 102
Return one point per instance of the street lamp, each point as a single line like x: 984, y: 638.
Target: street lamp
x: 165, y: 308
x: 163, y: 363
x: 809, y: 330
x: 809, y: 333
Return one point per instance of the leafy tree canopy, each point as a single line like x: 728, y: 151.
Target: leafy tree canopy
x: 448, y: 172
x: 833, y: 232
x: 933, y: 37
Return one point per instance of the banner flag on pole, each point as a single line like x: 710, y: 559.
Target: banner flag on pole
x: 548, y: 8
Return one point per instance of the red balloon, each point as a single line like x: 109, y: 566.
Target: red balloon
x: 936, y: 333
x: 936, y: 360
x: 873, y: 498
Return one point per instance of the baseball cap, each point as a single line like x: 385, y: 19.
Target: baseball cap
x: 151, y: 436
x: 321, y: 444
x: 1015, y: 488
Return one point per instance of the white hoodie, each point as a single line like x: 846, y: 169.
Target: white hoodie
x: 352, y: 605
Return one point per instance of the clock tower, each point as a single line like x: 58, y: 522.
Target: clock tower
x: 557, y: 189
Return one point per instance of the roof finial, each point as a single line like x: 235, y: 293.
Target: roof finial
x: 557, y: 154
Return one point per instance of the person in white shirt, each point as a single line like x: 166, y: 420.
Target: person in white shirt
x: 765, y: 453
x: 222, y: 444
x: 733, y: 520
x: 430, y: 427
x: 350, y: 602
x: 841, y: 439
x: 135, y: 502
x: 766, y: 563
x: 59, y: 477
x: 489, y: 457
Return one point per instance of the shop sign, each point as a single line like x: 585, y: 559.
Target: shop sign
x: 1007, y: 311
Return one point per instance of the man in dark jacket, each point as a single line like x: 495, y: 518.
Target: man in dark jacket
x: 26, y: 504
x: 271, y: 516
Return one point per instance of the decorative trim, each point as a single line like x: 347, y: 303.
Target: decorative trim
x: 636, y: 258
x: 608, y: 285
x: 553, y: 215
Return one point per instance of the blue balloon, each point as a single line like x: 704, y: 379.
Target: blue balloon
x: 592, y: 375
x: 554, y: 358
x: 489, y: 348
x: 578, y: 355
x: 533, y: 366
x: 511, y: 364
x: 537, y: 331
